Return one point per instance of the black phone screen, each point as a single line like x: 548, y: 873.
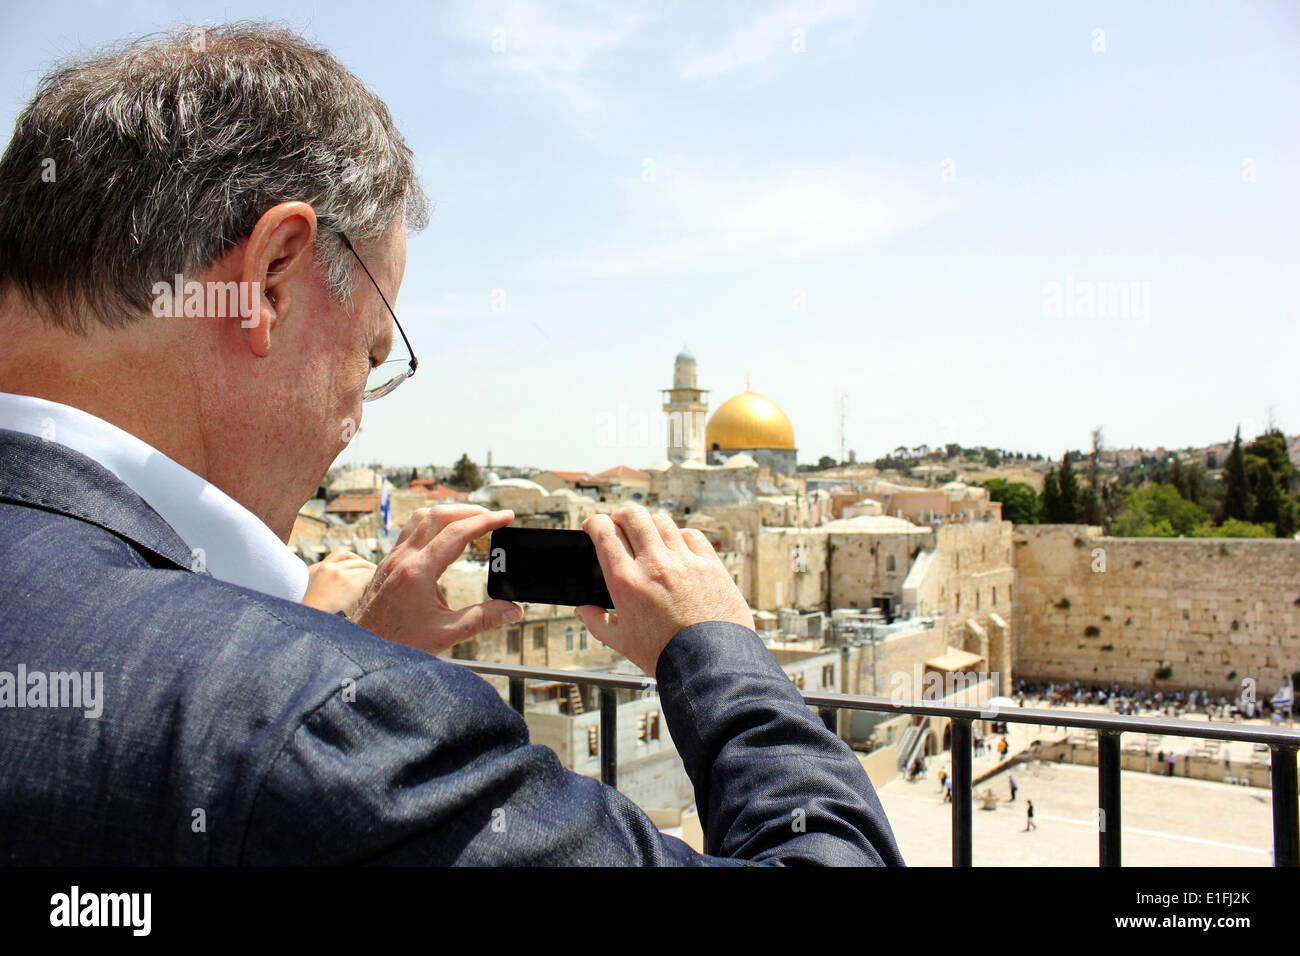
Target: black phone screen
x: 545, y: 566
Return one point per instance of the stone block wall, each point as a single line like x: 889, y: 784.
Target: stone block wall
x: 1159, y: 613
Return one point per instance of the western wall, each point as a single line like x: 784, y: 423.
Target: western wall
x: 1158, y: 613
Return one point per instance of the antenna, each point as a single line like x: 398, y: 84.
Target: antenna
x: 843, y: 400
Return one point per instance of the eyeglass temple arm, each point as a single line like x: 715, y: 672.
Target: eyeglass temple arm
x: 410, y: 351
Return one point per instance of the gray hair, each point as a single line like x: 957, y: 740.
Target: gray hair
x: 157, y: 156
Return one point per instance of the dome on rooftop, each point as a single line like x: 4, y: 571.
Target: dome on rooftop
x: 749, y: 420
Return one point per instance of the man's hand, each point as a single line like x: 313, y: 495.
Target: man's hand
x: 336, y: 582
x: 404, y: 603
x: 662, y: 579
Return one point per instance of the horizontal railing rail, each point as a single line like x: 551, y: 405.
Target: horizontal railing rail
x: 1283, y: 746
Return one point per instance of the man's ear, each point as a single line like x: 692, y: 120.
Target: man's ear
x: 277, y: 263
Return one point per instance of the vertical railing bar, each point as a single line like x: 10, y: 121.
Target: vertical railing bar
x: 1108, y: 798
x: 608, y: 737
x: 517, y: 694
x: 831, y: 718
x: 1286, y: 822
x: 961, y: 792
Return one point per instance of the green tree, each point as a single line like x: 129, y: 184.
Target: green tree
x: 1090, y: 507
x: 1198, y: 488
x: 992, y: 458
x: 1237, y: 500
x: 1070, y: 510
x: 1020, y: 502
x: 1232, y: 528
x: 1158, y: 511
x: 464, y: 474
x: 1050, y: 510
x: 1112, y: 502
x: 1268, y: 472
x: 1178, y: 478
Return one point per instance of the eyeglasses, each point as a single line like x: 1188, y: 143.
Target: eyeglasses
x: 387, y: 375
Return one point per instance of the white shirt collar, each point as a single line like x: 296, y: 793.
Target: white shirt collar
x: 235, y: 545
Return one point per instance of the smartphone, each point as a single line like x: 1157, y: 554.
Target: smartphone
x: 545, y: 566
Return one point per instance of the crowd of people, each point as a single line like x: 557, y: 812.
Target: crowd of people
x: 1141, y: 702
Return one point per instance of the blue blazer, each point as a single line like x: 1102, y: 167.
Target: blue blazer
x: 237, y: 728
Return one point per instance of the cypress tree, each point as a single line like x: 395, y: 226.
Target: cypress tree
x: 1288, y: 517
x: 1051, y: 509
x: 1069, y: 486
x: 1237, y: 501
x: 1091, y: 508
x: 1178, y: 478
x: 1197, y: 489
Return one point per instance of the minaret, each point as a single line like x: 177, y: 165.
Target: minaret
x: 686, y: 407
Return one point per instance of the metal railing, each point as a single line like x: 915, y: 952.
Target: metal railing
x: 1282, y: 744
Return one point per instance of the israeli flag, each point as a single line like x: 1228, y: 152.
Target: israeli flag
x: 383, y: 506
x: 1282, y: 699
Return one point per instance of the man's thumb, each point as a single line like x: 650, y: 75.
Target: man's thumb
x: 478, y: 618
x: 595, y: 620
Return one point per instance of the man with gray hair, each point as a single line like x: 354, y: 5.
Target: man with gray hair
x: 201, y: 235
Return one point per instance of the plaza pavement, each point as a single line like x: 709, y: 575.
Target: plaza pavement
x: 1165, y: 821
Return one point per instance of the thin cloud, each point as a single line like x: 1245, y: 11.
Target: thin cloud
x: 765, y: 37
x: 694, y: 222
x: 525, y: 46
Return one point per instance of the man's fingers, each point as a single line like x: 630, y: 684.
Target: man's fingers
x: 450, y: 542
x: 414, y: 525
x: 695, y: 540
x: 642, y: 533
x: 426, y: 523
x: 670, y: 533
x: 613, y: 551
x: 477, y: 618
x: 600, y: 622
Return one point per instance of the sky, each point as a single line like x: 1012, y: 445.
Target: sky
x: 994, y: 223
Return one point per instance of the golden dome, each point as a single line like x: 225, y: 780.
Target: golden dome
x: 749, y: 421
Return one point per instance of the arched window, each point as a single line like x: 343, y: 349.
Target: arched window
x: 568, y: 639
x: 889, y: 565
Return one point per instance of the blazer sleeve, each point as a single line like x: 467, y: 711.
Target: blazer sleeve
x: 424, y: 763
